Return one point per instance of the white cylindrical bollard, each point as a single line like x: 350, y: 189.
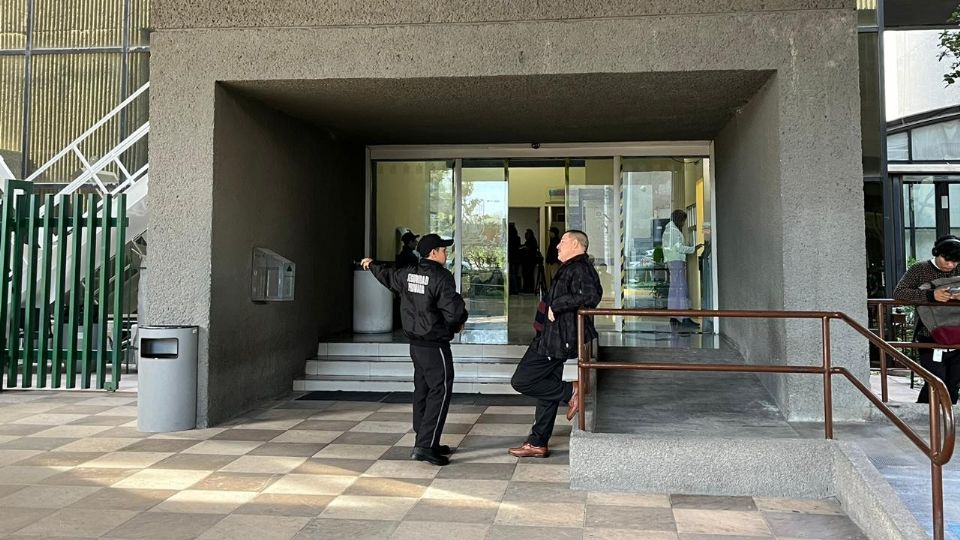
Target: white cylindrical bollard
x: 372, y: 304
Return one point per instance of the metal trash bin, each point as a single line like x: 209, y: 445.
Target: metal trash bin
x: 167, y: 378
x: 372, y: 304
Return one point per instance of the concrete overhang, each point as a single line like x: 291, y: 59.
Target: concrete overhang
x: 589, y: 107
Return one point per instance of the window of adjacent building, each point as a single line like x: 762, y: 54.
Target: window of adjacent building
x: 931, y: 208
x: 898, y: 147
x: 919, y: 220
x: 937, y: 142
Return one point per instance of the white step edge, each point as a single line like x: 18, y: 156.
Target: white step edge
x: 404, y: 368
x: 314, y: 385
x: 403, y: 350
x: 373, y: 380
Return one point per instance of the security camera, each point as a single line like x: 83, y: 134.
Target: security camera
x: 535, y: 146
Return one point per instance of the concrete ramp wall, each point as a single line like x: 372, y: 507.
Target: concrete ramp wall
x: 799, y: 468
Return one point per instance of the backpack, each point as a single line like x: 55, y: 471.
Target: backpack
x: 943, y: 321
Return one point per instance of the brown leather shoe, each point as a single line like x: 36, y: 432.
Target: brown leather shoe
x: 574, y: 404
x: 529, y: 450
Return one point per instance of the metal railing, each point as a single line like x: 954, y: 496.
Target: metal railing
x: 881, y: 305
x: 938, y: 450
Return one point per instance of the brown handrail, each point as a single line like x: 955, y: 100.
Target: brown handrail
x: 881, y: 306
x: 940, y: 448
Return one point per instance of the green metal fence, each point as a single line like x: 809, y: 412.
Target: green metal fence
x: 62, y: 262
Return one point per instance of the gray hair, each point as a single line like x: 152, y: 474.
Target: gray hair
x: 581, y: 238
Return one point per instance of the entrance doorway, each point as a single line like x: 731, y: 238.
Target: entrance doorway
x: 500, y: 210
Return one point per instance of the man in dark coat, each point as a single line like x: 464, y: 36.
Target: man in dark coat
x: 432, y: 312
x: 540, y: 372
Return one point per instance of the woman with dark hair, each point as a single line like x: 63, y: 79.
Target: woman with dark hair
x: 529, y: 259
x: 513, y: 258
x: 945, y: 365
x: 675, y: 257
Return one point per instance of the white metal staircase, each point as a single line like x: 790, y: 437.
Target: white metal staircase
x: 93, y: 170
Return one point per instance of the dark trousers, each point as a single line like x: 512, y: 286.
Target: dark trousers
x: 432, y: 390
x: 947, y: 370
x: 541, y: 377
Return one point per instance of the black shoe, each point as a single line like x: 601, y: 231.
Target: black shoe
x: 691, y: 323
x: 430, y: 456
x: 442, y: 449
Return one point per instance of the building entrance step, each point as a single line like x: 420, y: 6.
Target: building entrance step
x: 352, y: 348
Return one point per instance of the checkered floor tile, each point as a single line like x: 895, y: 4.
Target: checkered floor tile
x: 74, y: 464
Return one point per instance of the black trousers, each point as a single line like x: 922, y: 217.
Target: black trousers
x: 432, y: 390
x: 541, y: 377
x: 947, y: 370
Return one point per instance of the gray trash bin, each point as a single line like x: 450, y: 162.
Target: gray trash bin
x: 167, y: 379
x: 372, y: 304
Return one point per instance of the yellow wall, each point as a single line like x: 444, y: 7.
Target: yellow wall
x: 529, y: 186
x: 599, y: 172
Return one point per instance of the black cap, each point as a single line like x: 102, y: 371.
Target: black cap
x: 430, y: 242
x: 408, y: 236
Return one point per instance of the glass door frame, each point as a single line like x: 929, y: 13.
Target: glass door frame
x: 616, y: 151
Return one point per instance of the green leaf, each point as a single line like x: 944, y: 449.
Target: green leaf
x: 950, y: 47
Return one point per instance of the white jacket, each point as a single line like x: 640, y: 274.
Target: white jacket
x: 673, y: 247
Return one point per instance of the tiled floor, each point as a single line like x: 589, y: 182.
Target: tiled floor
x: 73, y: 464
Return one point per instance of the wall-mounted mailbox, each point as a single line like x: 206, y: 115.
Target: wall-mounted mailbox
x: 273, y: 277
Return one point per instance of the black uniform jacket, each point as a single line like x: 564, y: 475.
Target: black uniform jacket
x: 431, y: 310
x: 406, y: 257
x: 575, y: 285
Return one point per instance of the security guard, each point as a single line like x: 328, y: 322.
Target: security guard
x: 431, y: 312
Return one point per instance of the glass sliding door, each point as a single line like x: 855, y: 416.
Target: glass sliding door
x: 706, y: 257
x: 666, y: 214
x: 484, y: 270
x: 592, y: 208
x: 413, y: 195
x: 623, y: 204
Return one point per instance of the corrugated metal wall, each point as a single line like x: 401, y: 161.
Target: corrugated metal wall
x: 68, y: 94
x: 87, y: 23
x: 13, y: 24
x: 11, y: 110
x: 83, y: 61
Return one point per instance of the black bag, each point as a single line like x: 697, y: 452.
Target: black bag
x: 540, y: 319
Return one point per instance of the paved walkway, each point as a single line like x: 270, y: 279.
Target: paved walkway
x: 73, y: 464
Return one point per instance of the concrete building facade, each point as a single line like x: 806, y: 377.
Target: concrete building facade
x: 260, y: 114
